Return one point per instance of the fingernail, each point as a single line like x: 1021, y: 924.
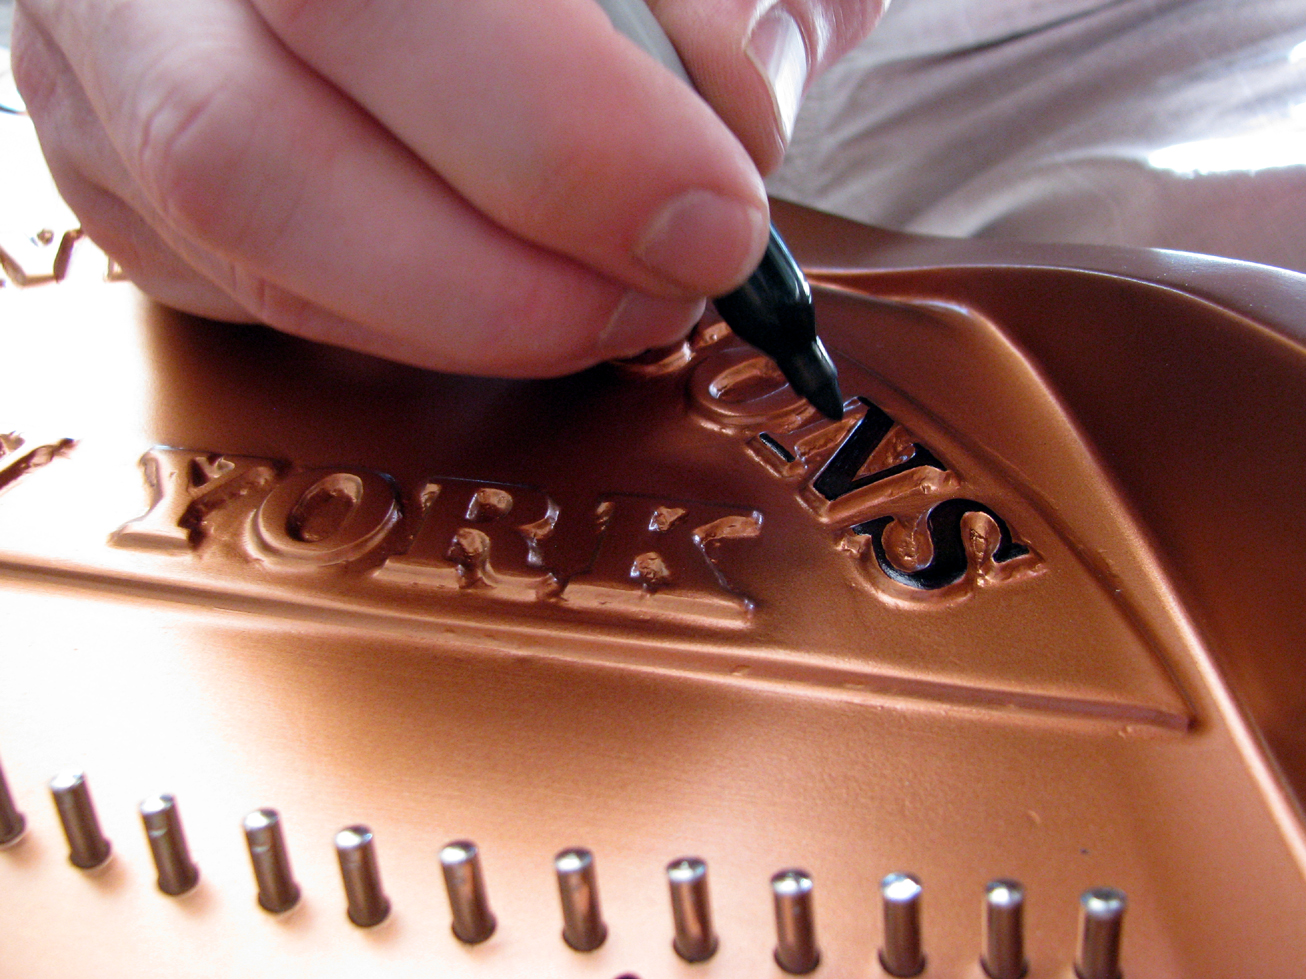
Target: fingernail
x: 704, y: 242
x: 776, y: 47
x: 641, y: 321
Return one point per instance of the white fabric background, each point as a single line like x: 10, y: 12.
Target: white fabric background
x: 1168, y: 123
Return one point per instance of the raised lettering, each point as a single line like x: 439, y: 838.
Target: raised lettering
x: 185, y: 486
x: 326, y: 516
x: 962, y: 538
x: 670, y: 557
x: 19, y: 456
x: 878, y: 464
x: 502, y: 538
x: 739, y: 389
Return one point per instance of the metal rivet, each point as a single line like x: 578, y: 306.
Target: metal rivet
x: 1004, y: 930
x: 473, y: 921
x: 12, y: 822
x: 795, y: 924
x: 87, y: 846
x: 691, y: 909
x: 901, y: 954
x: 367, y: 904
x: 177, y: 872
x: 277, y: 890
x: 1102, y: 913
x: 582, y: 919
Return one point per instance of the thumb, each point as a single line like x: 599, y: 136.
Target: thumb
x: 752, y: 60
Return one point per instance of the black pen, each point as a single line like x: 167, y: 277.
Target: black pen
x: 773, y: 309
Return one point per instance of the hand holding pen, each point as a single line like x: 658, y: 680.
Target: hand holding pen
x: 488, y: 187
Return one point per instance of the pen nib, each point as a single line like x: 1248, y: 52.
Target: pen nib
x: 810, y: 373
x: 774, y: 312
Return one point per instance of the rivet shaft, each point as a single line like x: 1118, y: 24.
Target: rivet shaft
x: 691, y: 909
x: 901, y: 953
x: 367, y: 904
x: 1102, y: 913
x: 1004, y: 930
x: 795, y: 923
x: 277, y: 890
x: 473, y: 922
x: 177, y: 872
x: 582, y: 920
x: 12, y: 822
x: 87, y: 846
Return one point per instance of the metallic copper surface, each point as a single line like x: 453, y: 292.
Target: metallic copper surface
x: 1031, y: 611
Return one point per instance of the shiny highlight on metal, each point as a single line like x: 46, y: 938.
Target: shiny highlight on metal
x: 177, y: 872
x: 582, y: 920
x: 367, y: 904
x: 277, y: 890
x: 691, y: 910
x: 12, y: 822
x: 795, y: 923
x: 901, y: 954
x: 1102, y: 913
x: 473, y: 921
x: 87, y: 846
x: 1004, y: 930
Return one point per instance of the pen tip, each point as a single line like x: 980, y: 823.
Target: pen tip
x: 813, y: 375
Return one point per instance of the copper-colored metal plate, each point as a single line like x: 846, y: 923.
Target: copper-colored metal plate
x: 1032, y: 612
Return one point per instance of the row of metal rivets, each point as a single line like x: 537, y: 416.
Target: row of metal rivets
x: 796, y: 951
x: 1102, y: 911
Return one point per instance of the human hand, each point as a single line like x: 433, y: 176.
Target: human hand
x: 481, y: 186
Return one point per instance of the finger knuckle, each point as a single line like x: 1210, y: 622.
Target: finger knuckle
x: 185, y: 144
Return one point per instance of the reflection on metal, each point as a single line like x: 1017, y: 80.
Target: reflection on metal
x: 12, y: 822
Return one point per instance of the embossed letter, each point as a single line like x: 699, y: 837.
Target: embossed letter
x: 500, y: 537
x: 739, y: 389
x: 666, y: 556
x: 19, y: 455
x: 326, y: 516
x: 960, y: 539
x: 185, y: 486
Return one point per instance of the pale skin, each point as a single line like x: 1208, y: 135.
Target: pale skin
x: 499, y: 187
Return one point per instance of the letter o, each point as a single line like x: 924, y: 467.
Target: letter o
x: 327, y: 516
x: 740, y: 388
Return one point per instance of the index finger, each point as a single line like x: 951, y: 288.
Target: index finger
x: 556, y: 126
